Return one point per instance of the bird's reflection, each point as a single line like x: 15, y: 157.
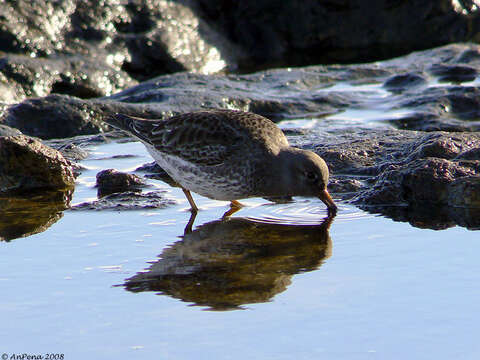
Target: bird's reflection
x: 22, y: 216
x: 234, y: 261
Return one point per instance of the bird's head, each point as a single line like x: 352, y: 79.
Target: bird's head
x: 305, y: 173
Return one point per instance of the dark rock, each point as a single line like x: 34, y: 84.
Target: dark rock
x: 361, y: 152
x: 432, y: 122
x: 22, y: 216
x: 27, y: 165
x: 424, y: 180
x: 112, y: 181
x: 127, y: 201
x: 465, y: 191
x: 459, y: 101
x: 87, y: 52
x: 166, y: 37
x: 430, y: 171
x: 277, y: 94
x: 173, y: 94
x: 345, y: 187
x: 454, y: 73
x: 346, y: 31
x: 90, y: 48
x: 403, y: 82
x: 55, y: 116
x: 23, y: 76
x: 401, y: 173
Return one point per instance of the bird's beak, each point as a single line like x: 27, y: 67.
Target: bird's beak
x: 327, y: 200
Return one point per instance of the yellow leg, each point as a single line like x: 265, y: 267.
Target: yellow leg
x: 234, y: 207
x: 194, y: 207
x: 235, y: 204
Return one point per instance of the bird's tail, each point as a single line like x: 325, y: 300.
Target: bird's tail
x: 137, y: 127
x: 119, y: 121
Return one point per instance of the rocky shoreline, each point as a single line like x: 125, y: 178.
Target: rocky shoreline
x: 422, y: 150
x: 89, y: 49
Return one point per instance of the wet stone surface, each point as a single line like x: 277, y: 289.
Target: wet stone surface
x: 405, y: 86
x: 127, y: 201
x: 91, y: 48
x: 112, y: 181
x: 27, y: 165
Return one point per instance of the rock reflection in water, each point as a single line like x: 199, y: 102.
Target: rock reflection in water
x: 430, y: 216
x: 234, y: 261
x: 22, y: 216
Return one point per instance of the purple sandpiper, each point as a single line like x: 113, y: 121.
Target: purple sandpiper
x: 229, y: 155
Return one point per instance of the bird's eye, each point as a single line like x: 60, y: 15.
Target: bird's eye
x: 311, y: 176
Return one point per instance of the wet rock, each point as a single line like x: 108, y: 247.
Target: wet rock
x: 361, y: 152
x: 22, y: 216
x: 425, y: 121
x: 27, y: 165
x: 8, y: 131
x: 427, y: 180
x: 127, y: 201
x: 227, y: 263
x: 59, y: 116
x: 344, y: 31
x: 86, y: 48
x: 454, y: 73
x: 164, y: 37
x: 449, y: 108
x: 404, y: 82
x: 86, y: 52
x: 23, y: 77
x: 112, y: 181
x: 431, y: 171
x: 344, y: 187
x: 394, y: 170
x: 278, y: 94
x: 55, y: 116
x: 146, y: 31
x: 465, y: 191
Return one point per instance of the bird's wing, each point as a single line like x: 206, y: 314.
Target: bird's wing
x: 200, y: 138
x: 208, y: 137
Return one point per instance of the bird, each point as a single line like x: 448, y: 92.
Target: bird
x: 229, y: 155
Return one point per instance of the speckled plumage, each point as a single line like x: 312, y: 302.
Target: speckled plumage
x: 226, y: 154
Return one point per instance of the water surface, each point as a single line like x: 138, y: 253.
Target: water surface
x: 273, y: 282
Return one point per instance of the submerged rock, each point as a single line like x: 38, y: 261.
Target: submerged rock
x: 127, y: 201
x: 112, y: 181
x: 27, y: 165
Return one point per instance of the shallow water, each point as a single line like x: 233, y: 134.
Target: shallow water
x: 272, y: 282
